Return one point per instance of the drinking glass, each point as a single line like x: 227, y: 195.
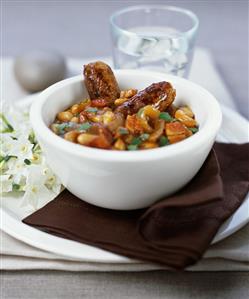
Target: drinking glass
x: 154, y: 37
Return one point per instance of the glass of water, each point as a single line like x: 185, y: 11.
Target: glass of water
x: 154, y: 37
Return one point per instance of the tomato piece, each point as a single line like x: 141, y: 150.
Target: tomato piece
x: 100, y: 103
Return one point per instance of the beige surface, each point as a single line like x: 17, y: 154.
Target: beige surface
x: 231, y: 254
x: 146, y: 285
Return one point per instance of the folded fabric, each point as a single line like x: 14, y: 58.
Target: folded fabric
x: 175, y: 231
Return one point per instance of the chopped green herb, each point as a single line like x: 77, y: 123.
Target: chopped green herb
x: 27, y: 161
x: 144, y: 136
x: 163, y: 141
x: 165, y: 116
x: 92, y: 109
x: 62, y: 127
x: 85, y: 126
x: 123, y: 131
x: 193, y: 130
x: 136, y: 141
x: 140, y: 112
x: 71, y: 124
x: 16, y: 187
x: 132, y: 147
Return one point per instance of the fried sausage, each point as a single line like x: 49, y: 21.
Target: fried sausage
x: 101, y: 82
x: 160, y: 95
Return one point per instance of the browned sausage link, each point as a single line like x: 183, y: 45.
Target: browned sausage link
x: 101, y: 82
x: 161, y: 95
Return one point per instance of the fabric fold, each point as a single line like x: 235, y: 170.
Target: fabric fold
x: 175, y: 231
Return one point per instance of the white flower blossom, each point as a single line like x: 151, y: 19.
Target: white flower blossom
x: 21, y: 148
x: 5, y: 183
x: 23, y: 166
x: 35, y: 188
x: 17, y: 168
x: 6, y: 144
x: 52, y: 182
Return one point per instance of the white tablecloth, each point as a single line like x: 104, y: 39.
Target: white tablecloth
x: 229, y: 255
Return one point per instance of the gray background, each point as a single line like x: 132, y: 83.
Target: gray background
x: 148, y: 285
x: 80, y: 29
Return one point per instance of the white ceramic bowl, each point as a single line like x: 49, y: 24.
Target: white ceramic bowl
x: 125, y: 180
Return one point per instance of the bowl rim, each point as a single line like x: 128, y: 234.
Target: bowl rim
x: 209, y: 129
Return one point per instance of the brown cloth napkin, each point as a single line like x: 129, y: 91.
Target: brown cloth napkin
x: 175, y: 231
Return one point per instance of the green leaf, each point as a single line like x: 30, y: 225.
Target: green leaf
x: 7, y: 158
x: 10, y: 128
x: 4, y: 160
x: 163, y: 141
x: 32, y: 138
x: 16, y: 187
x: 27, y: 161
x: 144, y: 136
x: 165, y: 116
x: 136, y: 141
x: 123, y: 131
x: 84, y: 126
x: 193, y: 130
x: 36, y: 149
x: 132, y: 147
x: 6, y: 126
x: 92, y: 109
x: 2, y: 163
